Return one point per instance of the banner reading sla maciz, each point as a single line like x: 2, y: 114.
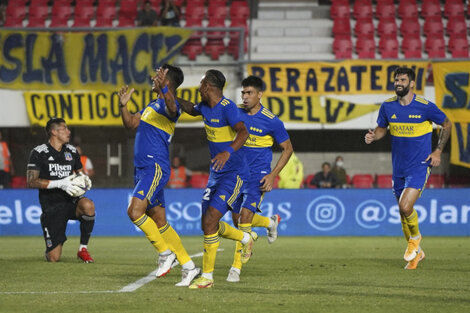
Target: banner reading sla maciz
x: 37, y: 60
x: 373, y: 212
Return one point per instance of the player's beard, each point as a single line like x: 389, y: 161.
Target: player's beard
x: 403, y: 92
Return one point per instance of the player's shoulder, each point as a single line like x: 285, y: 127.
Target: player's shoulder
x: 227, y: 102
x: 422, y: 100
x: 41, y: 148
x: 70, y: 148
x: 267, y: 113
x: 392, y: 99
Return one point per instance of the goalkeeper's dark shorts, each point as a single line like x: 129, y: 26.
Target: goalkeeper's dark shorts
x: 54, y: 222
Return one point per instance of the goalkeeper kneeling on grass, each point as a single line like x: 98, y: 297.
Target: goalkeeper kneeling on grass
x: 51, y: 169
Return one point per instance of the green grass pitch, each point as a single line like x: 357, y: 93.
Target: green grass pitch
x: 295, y: 274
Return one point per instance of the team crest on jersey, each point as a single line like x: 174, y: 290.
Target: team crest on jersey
x: 68, y: 156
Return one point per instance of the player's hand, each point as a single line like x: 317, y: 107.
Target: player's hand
x: 87, y: 180
x: 218, y: 162
x: 125, y: 95
x: 160, y: 78
x: 369, y: 137
x: 267, y: 182
x: 66, y: 185
x: 435, y: 157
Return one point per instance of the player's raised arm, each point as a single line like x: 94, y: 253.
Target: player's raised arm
x: 130, y: 121
x: 188, y: 107
x: 435, y: 156
x: 166, y: 91
x: 376, y: 134
x: 268, y: 180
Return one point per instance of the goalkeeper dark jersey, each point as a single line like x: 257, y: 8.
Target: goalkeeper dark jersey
x: 54, y: 165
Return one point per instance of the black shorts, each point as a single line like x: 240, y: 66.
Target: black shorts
x: 54, y: 222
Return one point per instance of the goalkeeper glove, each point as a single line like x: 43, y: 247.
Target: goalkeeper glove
x: 87, y: 180
x: 65, y: 184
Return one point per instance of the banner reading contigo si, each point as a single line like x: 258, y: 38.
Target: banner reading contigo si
x: 452, y: 85
x: 93, y: 108
x: 34, y: 60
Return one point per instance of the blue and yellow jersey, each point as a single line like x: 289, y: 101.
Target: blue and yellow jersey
x: 411, y: 130
x: 219, y: 122
x: 154, y: 134
x: 264, y: 128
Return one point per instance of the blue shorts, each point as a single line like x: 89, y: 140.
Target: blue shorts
x: 416, y: 178
x: 222, y: 191
x: 149, y: 182
x: 251, y: 197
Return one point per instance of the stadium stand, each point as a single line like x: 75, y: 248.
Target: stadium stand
x: 343, y: 48
x: 458, y: 46
x: 340, y: 9
x: 363, y: 181
x: 364, y: 27
x: 385, y: 9
x: 431, y: 8
x: 435, y: 47
x: 436, y: 181
x: 341, y: 28
x: 365, y: 48
x: 362, y: 9
x: 199, y: 180
x: 407, y: 9
x: 453, y: 8
x: 384, y: 180
x: 410, y: 28
x: 412, y: 47
x: 387, y: 27
x: 307, y: 181
x: 388, y: 47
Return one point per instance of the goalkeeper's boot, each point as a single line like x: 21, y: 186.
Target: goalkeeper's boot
x: 187, y: 276
x: 85, y: 256
x: 233, y: 276
x: 272, y: 231
x: 412, y: 249
x: 202, y: 282
x: 413, y: 264
x: 164, y: 264
x: 247, y: 250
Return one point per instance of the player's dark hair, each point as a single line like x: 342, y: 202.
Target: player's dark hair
x: 53, y: 121
x: 175, y: 75
x: 407, y: 71
x: 215, y: 78
x: 253, y: 81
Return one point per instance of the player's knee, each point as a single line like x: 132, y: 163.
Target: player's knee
x: 87, y: 207
x: 133, y: 213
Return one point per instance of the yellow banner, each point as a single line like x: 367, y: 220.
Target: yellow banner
x: 460, y: 144
x: 307, y: 109
x: 93, y: 108
x: 452, y: 87
x: 328, y: 78
x: 33, y: 60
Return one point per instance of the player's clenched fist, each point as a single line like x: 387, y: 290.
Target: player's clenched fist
x: 369, y: 137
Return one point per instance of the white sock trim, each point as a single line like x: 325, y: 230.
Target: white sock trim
x: 246, y: 238
x: 188, y: 265
x: 82, y: 246
x: 208, y: 275
x: 237, y: 270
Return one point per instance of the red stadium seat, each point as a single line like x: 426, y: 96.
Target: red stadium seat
x: 388, y: 47
x: 435, y: 47
x: 84, y: 12
x: 125, y: 21
x: 105, y: 12
x: 15, y: 12
x: 107, y: 3
x: 407, y: 9
x: 199, y: 180
x: 363, y: 181
x: 340, y: 10
x: 412, y: 47
x: 13, y: 22
x: 384, y: 180
x: 35, y: 3
x: 128, y: 9
x: 342, y: 48
x: 307, y: 181
x: 365, y: 48
x: 431, y: 8
x: 457, y: 26
x: 410, y: 28
x: 433, y: 27
x: 61, y: 12
x: 458, y: 46
x: 216, y: 35
x: 341, y: 27
x: 454, y: 8
x: 18, y: 182
x: 58, y: 21
x: 387, y: 27
x: 38, y: 12
x: 86, y: 3
x: 104, y: 22
x: 385, y: 9
x: 214, y: 48
x: 37, y: 22
x: 81, y: 22
x: 435, y: 181
x: 192, y: 48
x: 459, y: 181
x: 238, y: 11
x: 195, y: 12
x: 362, y: 9
x: 216, y: 12
x: 364, y: 28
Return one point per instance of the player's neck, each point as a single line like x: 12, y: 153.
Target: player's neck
x: 56, y: 144
x: 406, y: 99
x: 254, y: 109
x: 214, y: 100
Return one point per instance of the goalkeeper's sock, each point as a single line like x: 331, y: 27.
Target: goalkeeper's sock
x: 261, y: 221
x: 174, y: 241
x: 229, y: 232
x: 211, y: 243
x: 150, y: 229
x: 87, y: 222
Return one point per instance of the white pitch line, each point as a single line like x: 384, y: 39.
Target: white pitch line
x: 129, y: 288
